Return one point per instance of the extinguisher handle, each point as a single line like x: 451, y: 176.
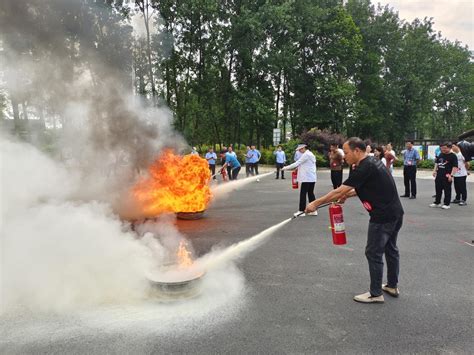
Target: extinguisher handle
x: 297, y: 215
x: 324, y: 205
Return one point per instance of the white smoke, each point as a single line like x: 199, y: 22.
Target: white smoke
x: 60, y: 254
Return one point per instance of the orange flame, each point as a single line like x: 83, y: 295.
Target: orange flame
x: 184, y: 256
x: 175, y: 184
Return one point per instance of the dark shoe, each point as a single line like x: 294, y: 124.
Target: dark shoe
x: 283, y: 178
x: 276, y: 178
x: 404, y: 196
x: 455, y: 201
x: 412, y: 197
x: 433, y: 196
x: 392, y: 291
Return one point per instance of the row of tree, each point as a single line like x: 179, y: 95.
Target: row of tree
x: 233, y: 70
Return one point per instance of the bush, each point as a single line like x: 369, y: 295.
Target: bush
x: 321, y: 160
x: 319, y: 140
x: 398, y: 163
x: 426, y: 164
x: 267, y: 157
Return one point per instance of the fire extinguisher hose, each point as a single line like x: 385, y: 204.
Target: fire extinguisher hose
x: 323, y: 205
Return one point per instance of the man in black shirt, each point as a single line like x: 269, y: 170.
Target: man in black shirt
x: 370, y: 180
x: 446, y: 164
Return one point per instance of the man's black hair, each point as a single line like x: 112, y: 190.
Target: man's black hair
x: 356, y: 142
x: 411, y: 142
x: 447, y: 144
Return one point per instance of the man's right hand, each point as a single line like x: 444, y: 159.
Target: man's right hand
x: 342, y: 199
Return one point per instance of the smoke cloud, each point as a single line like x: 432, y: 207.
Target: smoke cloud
x: 63, y: 247
x: 77, y: 78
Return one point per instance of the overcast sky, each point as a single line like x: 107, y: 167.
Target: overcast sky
x: 454, y: 18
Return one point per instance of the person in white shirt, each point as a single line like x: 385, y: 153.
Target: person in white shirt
x: 460, y: 178
x: 306, y: 165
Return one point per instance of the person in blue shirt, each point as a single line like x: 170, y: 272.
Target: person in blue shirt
x: 231, y: 161
x: 211, y: 158
x: 280, y: 160
x: 255, y: 158
x: 411, y: 156
x: 248, y: 165
x: 297, y: 155
x: 230, y: 151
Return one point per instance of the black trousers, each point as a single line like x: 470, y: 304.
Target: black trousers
x: 336, y: 178
x: 460, y: 188
x: 255, y: 168
x: 212, y: 168
x: 382, y: 239
x: 279, y: 166
x: 229, y: 172
x: 251, y: 168
x: 307, y: 188
x: 443, y: 185
x: 409, y: 178
x: 235, y: 173
x: 248, y: 169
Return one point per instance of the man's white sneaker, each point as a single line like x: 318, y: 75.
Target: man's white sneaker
x: 445, y: 207
x: 434, y: 205
x: 315, y: 213
x: 394, y: 292
x: 367, y: 298
x: 299, y: 214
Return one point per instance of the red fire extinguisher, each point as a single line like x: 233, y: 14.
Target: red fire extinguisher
x: 337, y: 224
x: 294, y: 178
x: 224, y: 174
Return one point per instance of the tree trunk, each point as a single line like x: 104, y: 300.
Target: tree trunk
x: 144, y: 7
x: 277, y: 106
x: 25, y: 110
x: 16, y: 113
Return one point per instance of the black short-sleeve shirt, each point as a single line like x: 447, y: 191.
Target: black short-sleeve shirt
x: 446, y: 162
x: 376, y: 189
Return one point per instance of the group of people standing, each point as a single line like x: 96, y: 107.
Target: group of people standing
x: 231, y: 164
x: 450, y: 165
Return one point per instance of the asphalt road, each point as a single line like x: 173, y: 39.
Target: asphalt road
x: 294, y: 293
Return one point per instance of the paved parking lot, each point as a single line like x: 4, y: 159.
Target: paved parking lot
x: 294, y: 293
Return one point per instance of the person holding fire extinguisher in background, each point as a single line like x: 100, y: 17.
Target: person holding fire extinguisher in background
x: 232, y: 162
x: 306, y: 165
x: 370, y: 180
